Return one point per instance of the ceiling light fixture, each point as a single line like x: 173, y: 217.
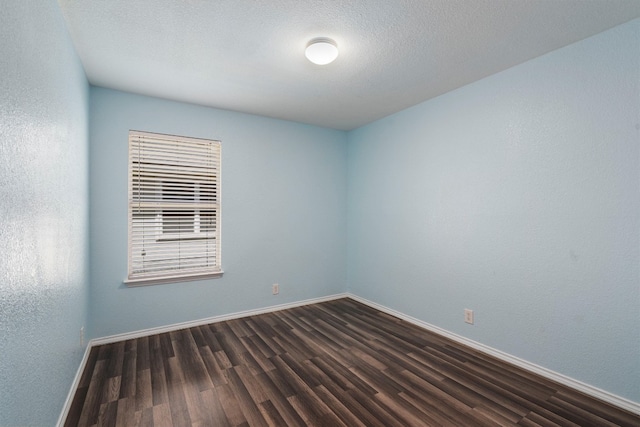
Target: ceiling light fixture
x: 321, y: 51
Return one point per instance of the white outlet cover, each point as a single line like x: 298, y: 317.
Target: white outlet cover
x: 468, y: 316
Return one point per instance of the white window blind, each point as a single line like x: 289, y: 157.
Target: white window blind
x: 174, y: 208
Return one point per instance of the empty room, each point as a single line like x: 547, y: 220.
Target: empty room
x: 320, y: 213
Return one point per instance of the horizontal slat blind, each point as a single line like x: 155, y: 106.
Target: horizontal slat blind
x: 174, y: 206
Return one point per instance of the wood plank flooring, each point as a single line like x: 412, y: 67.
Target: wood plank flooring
x: 338, y: 363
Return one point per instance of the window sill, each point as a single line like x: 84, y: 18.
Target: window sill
x: 132, y: 283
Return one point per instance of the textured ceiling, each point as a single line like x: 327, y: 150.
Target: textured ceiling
x: 248, y: 55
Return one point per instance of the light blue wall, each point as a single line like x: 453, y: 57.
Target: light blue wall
x: 283, y: 213
x: 43, y: 210
x: 517, y: 196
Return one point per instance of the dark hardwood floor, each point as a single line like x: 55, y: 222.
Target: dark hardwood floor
x: 338, y: 363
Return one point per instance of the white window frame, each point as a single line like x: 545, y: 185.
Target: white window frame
x: 181, y: 175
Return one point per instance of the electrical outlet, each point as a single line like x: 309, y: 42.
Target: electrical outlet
x: 82, y: 336
x: 275, y: 289
x: 468, y: 316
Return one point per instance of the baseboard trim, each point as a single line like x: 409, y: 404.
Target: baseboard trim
x: 590, y: 390
x: 192, y: 323
x: 74, y: 386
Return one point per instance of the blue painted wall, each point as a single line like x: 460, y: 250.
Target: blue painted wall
x: 517, y: 196
x: 283, y: 213
x: 44, y: 212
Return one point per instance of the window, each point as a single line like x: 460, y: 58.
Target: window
x: 174, y: 208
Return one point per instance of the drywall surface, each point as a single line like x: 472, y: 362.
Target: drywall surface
x: 44, y: 208
x: 283, y: 213
x: 517, y: 196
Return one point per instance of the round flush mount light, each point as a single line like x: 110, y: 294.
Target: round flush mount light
x: 321, y: 51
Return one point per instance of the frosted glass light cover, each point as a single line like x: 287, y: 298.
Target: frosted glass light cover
x: 321, y: 51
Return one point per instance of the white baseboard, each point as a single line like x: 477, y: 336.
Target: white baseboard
x: 175, y: 327
x: 590, y: 390
x: 74, y: 387
x: 190, y: 324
